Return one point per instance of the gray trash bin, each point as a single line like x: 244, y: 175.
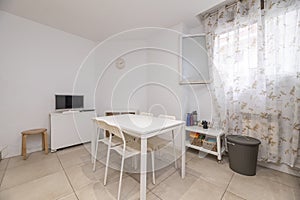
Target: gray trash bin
x: 242, y: 152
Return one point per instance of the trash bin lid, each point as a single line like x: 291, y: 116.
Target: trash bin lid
x: 243, y: 140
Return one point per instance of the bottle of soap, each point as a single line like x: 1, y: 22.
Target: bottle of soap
x: 188, y: 119
x: 194, y: 118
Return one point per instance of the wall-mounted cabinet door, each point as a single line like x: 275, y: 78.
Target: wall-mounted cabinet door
x: 194, y: 60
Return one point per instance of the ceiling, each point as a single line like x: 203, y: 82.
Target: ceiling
x: 99, y: 19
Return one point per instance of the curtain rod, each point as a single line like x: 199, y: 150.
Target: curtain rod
x: 216, y: 9
x: 226, y: 6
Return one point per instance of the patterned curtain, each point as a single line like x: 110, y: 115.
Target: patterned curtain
x: 255, y: 67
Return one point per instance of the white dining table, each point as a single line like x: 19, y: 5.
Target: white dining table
x: 143, y: 127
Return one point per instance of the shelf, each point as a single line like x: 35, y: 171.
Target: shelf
x: 188, y: 144
x: 209, y: 131
x: 201, y: 149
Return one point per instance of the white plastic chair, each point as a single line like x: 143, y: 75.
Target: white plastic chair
x: 114, y: 142
x: 156, y: 143
x: 125, y: 149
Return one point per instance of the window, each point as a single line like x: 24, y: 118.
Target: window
x: 281, y: 44
x: 235, y: 52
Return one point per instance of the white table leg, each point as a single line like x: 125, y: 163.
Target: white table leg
x: 143, y: 176
x: 182, y: 132
x: 219, y: 148
x: 93, y: 141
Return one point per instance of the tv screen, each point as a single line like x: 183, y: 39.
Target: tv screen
x: 68, y: 101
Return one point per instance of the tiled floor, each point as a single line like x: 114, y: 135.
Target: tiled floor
x: 68, y: 175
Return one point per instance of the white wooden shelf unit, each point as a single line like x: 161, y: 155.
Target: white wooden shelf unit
x: 211, y: 132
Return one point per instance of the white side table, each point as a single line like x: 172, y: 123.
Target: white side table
x: 218, y: 134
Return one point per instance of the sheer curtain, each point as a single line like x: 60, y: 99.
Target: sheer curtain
x: 255, y: 67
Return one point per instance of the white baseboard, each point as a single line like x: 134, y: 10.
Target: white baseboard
x: 281, y: 167
x: 3, y: 152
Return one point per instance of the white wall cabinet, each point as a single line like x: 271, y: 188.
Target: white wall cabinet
x: 71, y: 128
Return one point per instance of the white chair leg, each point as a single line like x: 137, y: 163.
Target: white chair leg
x: 174, y: 149
x: 107, y: 160
x: 132, y: 163
x: 96, y: 151
x: 153, y: 168
x: 135, y: 162
x: 121, y: 174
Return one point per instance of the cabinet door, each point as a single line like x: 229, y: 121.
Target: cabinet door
x: 71, y: 129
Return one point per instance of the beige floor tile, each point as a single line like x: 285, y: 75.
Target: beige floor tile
x: 203, y: 189
x: 24, y: 173
x: 190, y: 154
x: 82, y: 175
x: 160, y: 175
x: 43, y: 176
x: 164, y: 168
x: 231, y: 196
x: 210, y: 170
x: 174, y: 187
x: 87, y: 146
x: 69, y: 197
x: 254, y: 187
x: 49, y: 187
x: 1, y: 175
x: 93, y: 191
x: 31, y: 158
x: 73, y: 156
x: 152, y: 196
x: 3, y: 164
x: 114, y: 159
x: 130, y: 188
x: 166, y: 154
x: 278, y: 177
x: 112, y: 175
x: 115, y: 162
x: 70, y: 149
x: 297, y: 193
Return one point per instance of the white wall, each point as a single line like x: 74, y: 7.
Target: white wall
x: 120, y: 89
x: 168, y: 96
x: 164, y: 95
x: 36, y: 61
x: 191, y: 97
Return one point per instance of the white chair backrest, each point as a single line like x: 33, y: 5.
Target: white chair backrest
x: 146, y: 114
x: 112, y: 129
x: 167, y: 117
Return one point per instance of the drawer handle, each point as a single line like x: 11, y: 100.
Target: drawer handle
x: 231, y: 143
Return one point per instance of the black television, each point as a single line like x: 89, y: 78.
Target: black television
x: 67, y: 102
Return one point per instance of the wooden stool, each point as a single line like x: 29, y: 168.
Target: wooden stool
x: 42, y: 131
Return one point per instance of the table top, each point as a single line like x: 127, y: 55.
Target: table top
x: 140, y: 125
